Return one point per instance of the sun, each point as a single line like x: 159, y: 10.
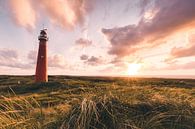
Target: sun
x: 133, y: 69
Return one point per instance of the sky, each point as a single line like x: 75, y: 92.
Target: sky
x: 99, y: 37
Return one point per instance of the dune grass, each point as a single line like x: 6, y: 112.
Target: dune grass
x: 97, y: 103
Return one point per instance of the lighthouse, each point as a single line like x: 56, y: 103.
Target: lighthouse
x: 41, y: 68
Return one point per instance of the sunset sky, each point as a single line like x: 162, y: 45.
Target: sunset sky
x: 99, y: 37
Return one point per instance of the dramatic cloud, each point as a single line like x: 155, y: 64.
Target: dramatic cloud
x: 143, y: 4
x: 65, y: 13
x: 161, y: 21
x: 94, y: 61
x: 23, y: 13
x: 81, y: 42
x: 84, y: 57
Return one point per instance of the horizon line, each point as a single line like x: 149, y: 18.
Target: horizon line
x: 130, y: 76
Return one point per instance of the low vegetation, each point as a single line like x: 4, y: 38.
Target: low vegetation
x: 67, y: 102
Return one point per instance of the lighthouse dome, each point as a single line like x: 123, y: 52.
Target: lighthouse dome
x: 43, y: 35
x: 43, y: 32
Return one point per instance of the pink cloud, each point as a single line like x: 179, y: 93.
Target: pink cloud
x: 189, y: 65
x: 169, y: 18
x: 84, y: 57
x: 178, y: 52
x: 189, y: 50
x: 57, y: 61
x: 23, y: 13
x: 94, y: 61
x: 65, y: 13
x: 81, y: 42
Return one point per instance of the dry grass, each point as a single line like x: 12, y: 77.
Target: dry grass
x: 97, y: 103
x: 16, y: 113
x: 111, y: 113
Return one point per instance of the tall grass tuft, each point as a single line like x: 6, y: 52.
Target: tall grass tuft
x: 16, y: 112
x: 111, y: 113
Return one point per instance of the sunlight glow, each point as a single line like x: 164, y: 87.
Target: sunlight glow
x: 133, y: 69
x: 150, y: 14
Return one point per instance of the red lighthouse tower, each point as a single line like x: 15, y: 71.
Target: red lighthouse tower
x: 41, y: 68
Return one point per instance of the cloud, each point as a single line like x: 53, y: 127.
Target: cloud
x: 189, y: 65
x: 59, y: 11
x: 143, y: 4
x: 91, y: 60
x: 65, y: 13
x: 174, y: 65
x: 81, y: 42
x: 57, y: 60
x: 8, y: 53
x: 10, y: 58
x: 84, y: 57
x: 178, y: 52
x: 119, y: 63
x: 166, y: 18
x: 124, y: 62
x: 23, y: 13
x: 94, y: 61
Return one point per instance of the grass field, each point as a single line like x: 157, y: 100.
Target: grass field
x: 96, y: 103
